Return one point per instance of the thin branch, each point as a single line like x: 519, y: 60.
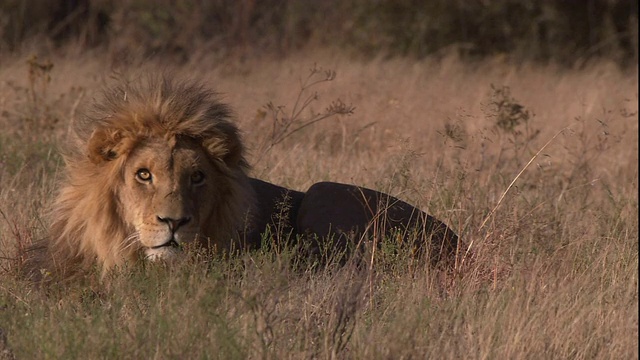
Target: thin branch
x: 484, y: 222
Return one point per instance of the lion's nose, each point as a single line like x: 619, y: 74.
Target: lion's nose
x: 174, y: 224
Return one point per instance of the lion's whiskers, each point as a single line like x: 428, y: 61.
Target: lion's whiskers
x: 129, y: 241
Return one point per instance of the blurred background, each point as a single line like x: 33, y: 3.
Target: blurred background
x: 568, y: 32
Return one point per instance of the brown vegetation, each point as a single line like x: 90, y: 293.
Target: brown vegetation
x: 535, y: 166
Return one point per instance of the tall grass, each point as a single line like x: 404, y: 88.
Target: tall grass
x: 549, y: 262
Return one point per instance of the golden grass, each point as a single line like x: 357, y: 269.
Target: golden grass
x: 551, y: 273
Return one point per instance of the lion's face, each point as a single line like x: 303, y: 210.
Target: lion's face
x: 152, y: 167
x: 166, y: 197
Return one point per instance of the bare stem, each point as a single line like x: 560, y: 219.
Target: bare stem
x: 484, y: 222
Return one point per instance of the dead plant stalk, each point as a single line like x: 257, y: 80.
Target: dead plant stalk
x: 535, y: 156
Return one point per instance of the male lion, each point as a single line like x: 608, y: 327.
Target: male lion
x: 159, y: 164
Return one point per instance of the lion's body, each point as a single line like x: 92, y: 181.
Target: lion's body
x: 334, y: 216
x: 159, y: 165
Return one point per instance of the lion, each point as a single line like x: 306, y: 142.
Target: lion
x: 153, y: 165
x: 159, y: 165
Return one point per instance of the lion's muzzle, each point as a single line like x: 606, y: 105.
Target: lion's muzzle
x: 174, y: 224
x: 174, y: 238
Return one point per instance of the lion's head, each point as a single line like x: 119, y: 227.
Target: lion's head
x: 154, y: 165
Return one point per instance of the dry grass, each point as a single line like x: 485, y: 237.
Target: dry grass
x: 551, y: 273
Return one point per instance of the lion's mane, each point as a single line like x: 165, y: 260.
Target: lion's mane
x: 86, y: 223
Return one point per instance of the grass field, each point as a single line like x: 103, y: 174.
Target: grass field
x: 535, y: 167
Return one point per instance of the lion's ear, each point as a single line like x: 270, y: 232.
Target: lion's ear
x: 226, y: 146
x: 235, y: 151
x: 103, y: 145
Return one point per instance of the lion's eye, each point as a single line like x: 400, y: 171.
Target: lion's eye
x: 197, y: 177
x: 143, y: 175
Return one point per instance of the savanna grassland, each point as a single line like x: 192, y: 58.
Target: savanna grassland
x: 534, y: 165
x: 549, y: 263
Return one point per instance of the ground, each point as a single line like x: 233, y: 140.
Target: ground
x: 536, y: 167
